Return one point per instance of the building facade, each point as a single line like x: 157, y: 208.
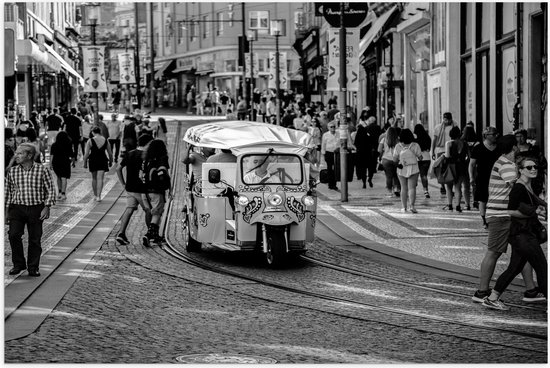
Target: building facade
x: 42, y: 58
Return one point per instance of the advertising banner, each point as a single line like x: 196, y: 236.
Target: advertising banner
x: 94, y: 69
x: 352, y: 59
x: 126, y: 68
x: 114, y: 70
x: 255, y: 65
x: 283, y: 78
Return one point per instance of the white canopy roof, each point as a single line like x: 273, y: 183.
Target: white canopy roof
x: 247, y: 136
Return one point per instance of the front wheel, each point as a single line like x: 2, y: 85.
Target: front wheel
x: 276, y: 248
x: 191, y: 245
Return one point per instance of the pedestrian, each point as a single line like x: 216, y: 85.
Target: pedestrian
x: 503, y: 176
x: 54, y: 123
x: 363, y: 145
x: 424, y: 141
x: 33, y: 139
x: 406, y: 155
x: 456, y: 154
x: 73, y: 126
x: 116, y: 96
x: 9, y: 149
x: 374, y: 131
x: 315, y: 131
x: 440, y: 138
x: 129, y: 134
x: 482, y: 159
x: 527, y: 149
x: 114, y: 126
x: 299, y: 122
x: 134, y: 186
x: 29, y: 194
x: 157, y: 181
x: 523, y: 206
x: 215, y: 100
x: 162, y: 130
x: 61, y: 157
x: 196, y: 159
x: 469, y: 137
x: 102, y: 126
x: 95, y: 155
x: 241, y: 109
x: 330, y: 147
x: 86, y: 132
x: 386, y: 149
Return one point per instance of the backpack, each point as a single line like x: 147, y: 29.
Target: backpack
x: 407, y: 157
x: 156, y: 179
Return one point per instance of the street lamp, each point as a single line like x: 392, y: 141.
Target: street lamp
x: 277, y: 29
x: 93, y: 15
x: 126, y: 34
x: 252, y: 35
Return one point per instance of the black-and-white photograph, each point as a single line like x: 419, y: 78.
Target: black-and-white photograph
x: 275, y: 183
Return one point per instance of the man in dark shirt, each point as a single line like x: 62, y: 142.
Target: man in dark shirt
x: 135, y: 188
x: 53, y: 125
x: 73, y: 127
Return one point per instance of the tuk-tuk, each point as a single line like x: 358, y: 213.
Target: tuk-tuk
x: 265, y: 201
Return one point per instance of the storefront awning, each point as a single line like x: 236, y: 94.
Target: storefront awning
x: 377, y: 26
x: 164, y: 68
x: 28, y: 53
x: 65, y: 65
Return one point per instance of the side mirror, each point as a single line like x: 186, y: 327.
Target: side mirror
x: 214, y: 176
x: 323, y: 176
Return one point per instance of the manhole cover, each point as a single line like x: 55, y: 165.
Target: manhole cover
x: 224, y: 359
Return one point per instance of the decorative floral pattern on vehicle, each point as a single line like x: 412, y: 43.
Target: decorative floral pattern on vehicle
x: 313, y: 218
x: 297, y: 207
x: 251, y: 208
x: 248, y: 188
x: 299, y: 188
x: 287, y: 217
x: 204, y: 219
x: 268, y: 217
x: 195, y: 217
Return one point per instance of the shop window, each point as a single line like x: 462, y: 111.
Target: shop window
x: 9, y: 15
x: 439, y: 33
x: 262, y: 65
x: 484, y: 24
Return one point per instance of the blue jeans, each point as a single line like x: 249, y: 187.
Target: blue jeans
x: 19, y: 216
x: 525, y: 248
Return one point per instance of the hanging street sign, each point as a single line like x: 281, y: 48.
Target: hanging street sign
x: 94, y: 69
x: 354, y: 13
x: 255, y: 65
x: 283, y: 78
x: 126, y: 68
x: 352, y: 60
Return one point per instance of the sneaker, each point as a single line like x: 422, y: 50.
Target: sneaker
x: 448, y: 207
x: 122, y: 239
x: 533, y: 296
x: 426, y: 194
x: 476, y: 205
x: 494, y: 304
x: 63, y: 197
x: 146, y: 242
x: 458, y: 209
x: 468, y: 208
x: 480, y: 295
x: 397, y: 194
x: 413, y: 210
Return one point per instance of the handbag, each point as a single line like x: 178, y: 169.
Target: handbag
x: 447, y: 173
x: 380, y: 167
x: 538, y: 229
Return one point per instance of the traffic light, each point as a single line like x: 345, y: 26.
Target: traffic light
x: 244, y: 47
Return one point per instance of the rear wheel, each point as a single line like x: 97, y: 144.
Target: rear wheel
x: 191, y: 245
x: 276, y: 247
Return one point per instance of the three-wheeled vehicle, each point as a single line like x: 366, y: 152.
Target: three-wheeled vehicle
x: 265, y: 201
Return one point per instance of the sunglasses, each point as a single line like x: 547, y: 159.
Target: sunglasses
x: 531, y: 167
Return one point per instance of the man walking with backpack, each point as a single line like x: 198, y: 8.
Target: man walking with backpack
x: 135, y: 188
x: 157, y: 181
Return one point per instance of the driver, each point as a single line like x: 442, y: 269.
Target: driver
x: 259, y: 174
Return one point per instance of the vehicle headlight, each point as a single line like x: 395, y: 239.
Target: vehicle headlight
x: 308, y: 200
x: 275, y: 200
x: 242, y: 200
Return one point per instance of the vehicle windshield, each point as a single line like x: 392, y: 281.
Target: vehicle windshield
x: 271, y: 168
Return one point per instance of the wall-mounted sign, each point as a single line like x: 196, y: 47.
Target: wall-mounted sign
x: 185, y: 64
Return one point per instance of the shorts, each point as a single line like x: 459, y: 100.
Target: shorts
x: 481, y: 192
x: 156, y: 203
x: 499, y: 230
x: 134, y: 199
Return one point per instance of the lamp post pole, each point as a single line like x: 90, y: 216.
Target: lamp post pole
x: 96, y: 97
x: 152, y: 37
x: 342, y: 108
x: 251, y: 36
x: 136, y: 57
x: 277, y: 81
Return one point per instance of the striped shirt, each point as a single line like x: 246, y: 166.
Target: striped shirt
x: 29, y: 187
x: 502, y: 179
